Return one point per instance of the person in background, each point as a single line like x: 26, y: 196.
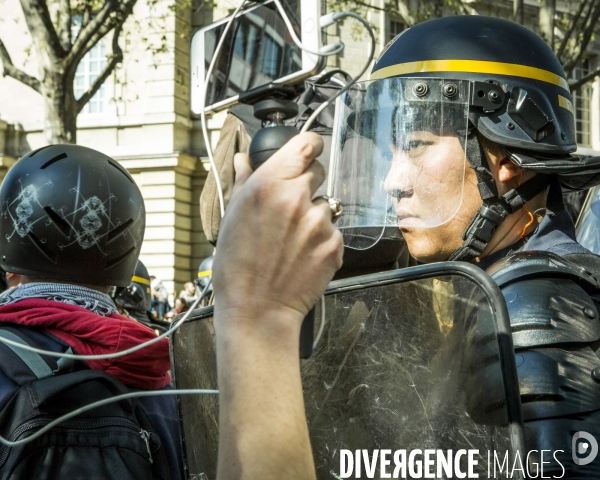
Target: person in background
x: 188, y: 294
x: 135, y: 301
x: 204, y: 277
x: 160, y: 297
x: 180, y: 307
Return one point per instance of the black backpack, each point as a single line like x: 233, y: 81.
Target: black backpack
x: 113, y: 442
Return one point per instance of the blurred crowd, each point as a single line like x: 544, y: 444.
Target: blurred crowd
x: 165, y: 305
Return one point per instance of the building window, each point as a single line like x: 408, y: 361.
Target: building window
x: 87, y: 71
x: 396, y: 28
x: 582, y: 105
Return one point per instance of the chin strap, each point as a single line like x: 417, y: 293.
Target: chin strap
x: 494, y: 209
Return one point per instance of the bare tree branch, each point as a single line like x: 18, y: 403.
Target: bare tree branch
x: 590, y: 23
x: 577, y: 84
x: 64, y: 24
x: 404, y: 13
x: 363, y: 4
x: 519, y: 11
x: 574, y: 19
x: 113, y: 61
x: 88, y: 34
x: 42, y: 30
x: 87, y: 15
x: 9, y: 69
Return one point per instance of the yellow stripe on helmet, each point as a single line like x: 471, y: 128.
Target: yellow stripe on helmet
x: 141, y: 280
x: 205, y: 273
x: 472, y: 66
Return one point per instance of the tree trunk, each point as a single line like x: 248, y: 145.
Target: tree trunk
x: 519, y: 11
x: 60, y: 118
x: 547, y: 11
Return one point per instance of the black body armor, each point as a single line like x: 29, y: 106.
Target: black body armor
x: 553, y: 307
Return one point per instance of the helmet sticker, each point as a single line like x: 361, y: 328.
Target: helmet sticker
x: 86, y: 230
x: 90, y: 222
x: 24, y: 210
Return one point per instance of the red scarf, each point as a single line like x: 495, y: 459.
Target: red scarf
x: 92, y: 334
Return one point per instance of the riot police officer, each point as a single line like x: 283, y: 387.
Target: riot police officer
x: 462, y: 141
x: 135, y: 300
x: 468, y: 125
x: 205, y: 276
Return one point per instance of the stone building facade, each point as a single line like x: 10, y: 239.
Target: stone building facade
x: 142, y: 116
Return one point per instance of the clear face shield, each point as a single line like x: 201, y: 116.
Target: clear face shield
x: 398, y: 156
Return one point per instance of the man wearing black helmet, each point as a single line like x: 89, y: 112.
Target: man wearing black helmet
x: 517, y: 124
x: 71, y: 225
x: 135, y: 300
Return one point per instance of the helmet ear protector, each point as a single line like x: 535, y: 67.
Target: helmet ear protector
x: 520, y: 112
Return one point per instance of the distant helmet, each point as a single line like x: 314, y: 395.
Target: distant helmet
x: 137, y: 295
x: 454, y: 77
x: 71, y: 213
x: 205, y: 273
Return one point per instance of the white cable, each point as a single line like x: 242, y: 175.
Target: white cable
x: 115, y: 354
x: 105, y: 401
x: 335, y: 17
x: 326, y: 51
x: 338, y: 47
x: 203, y: 106
x: 330, y: 100
x: 330, y: 19
x: 322, y: 326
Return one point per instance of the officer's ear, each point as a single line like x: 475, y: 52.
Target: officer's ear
x: 507, y: 170
x: 501, y: 167
x: 14, y: 279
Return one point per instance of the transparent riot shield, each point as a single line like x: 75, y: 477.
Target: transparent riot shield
x: 410, y: 360
x: 588, y: 233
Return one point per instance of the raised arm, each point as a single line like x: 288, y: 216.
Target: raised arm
x: 276, y: 253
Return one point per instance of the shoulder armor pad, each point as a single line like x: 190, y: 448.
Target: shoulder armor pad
x: 547, y: 299
x: 589, y: 261
x: 556, y: 382
x: 539, y: 264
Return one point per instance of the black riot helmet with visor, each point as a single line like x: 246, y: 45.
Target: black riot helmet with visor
x: 137, y: 297
x: 205, y: 274
x: 453, y: 79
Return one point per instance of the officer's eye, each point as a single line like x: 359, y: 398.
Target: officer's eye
x: 412, y: 145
